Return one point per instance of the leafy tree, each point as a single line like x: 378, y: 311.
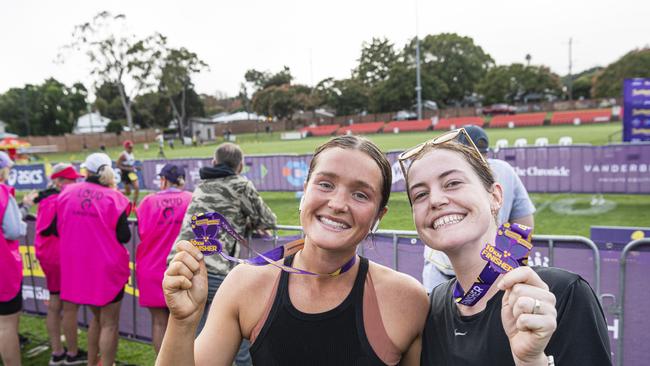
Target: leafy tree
x: 175, y: 81
x: 516, y: 82
x: 377, y: 59
x: 398, y: 92
x: 108, y: 101
x: 582, y: 82
x: 152, y: 110
x: 264, y: 79
x: 123, y: 60
x: 609, y: 83
x: 455, y: 60
x: 115, y: 126
x: 51, y: 108
x: 345, y: 96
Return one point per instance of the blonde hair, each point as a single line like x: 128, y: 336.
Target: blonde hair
x: 4, y: 173
x: 107, y: 176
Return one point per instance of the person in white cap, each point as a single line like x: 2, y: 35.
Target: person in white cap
x: 11, y: 269
x: 91, y: 221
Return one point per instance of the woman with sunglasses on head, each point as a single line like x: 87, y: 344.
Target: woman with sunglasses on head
x: 354, y: 312
x: 524, y: 317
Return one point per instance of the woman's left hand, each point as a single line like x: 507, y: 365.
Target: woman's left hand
x: 528, y: 315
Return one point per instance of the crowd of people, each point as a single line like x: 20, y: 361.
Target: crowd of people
x: 322, y: 304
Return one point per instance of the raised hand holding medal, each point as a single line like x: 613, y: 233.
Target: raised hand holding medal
x: 528, y: 311
x: 509, y: 251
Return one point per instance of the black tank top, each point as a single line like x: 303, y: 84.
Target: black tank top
x: 335, y: 337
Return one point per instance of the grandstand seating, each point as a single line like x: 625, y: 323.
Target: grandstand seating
x: 323, y: 130
x: 361, y: 128
x: 521, y: 142
x: 458, y: 122
x: 419, y: 125
x: 581, y: 117
x: 518, y: 120
x: 541, y: 141
x: 565, y: 141
x: 501, y: 143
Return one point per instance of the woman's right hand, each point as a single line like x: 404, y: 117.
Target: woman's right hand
x: 185, y: 284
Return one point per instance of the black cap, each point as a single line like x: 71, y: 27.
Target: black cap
x: 172, y: 172
x: 478, y: 136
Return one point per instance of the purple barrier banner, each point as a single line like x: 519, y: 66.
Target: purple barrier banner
x: 623, y: 168
x: 636, y: 110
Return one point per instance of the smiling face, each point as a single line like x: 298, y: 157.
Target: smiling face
x: 451, y: 205
x: 342, y: 199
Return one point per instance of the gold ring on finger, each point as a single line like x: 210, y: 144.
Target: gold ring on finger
x: 536, y: 307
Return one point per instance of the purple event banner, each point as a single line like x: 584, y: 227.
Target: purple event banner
x: 620, y: 168
x: 636, y: 110
x: 617, y: 168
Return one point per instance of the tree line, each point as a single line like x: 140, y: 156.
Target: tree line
x: 142, y: 81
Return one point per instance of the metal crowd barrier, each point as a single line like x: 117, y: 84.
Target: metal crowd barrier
x: 550, y: 239
x: 553, y: 239
x: 620, y: 307
x: 392, y: 260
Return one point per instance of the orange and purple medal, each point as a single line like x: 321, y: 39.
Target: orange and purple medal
x: 509, y: 251
x: 208, y: 226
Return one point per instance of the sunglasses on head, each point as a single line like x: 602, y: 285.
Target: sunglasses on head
x: 454, y: 135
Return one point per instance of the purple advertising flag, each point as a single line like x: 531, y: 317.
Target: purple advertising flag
x: 636, y: 110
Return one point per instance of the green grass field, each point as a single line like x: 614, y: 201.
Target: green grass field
x: 559, y: 214
x: 260, y: 144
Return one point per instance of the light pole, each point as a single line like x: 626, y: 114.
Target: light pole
x: 418, y: 85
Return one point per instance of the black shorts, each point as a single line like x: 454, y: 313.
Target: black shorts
x: 119, y: 297
x: 127, y: 176
x: 12, y: 306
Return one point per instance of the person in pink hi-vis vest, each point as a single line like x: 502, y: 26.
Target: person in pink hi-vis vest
x: 160, y: 216
x: 11, y: 268
x: 47, y: 253
x: 92, y: 226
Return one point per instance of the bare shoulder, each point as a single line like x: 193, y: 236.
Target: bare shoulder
x: 393, y: 284
x: 249, y: 289
x: 251, y: 279
x: 403, y: 304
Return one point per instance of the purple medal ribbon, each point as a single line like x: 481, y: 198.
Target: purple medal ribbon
x: 510, y: 250
x: 206, y: 228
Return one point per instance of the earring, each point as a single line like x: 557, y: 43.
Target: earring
x: 302, y: 201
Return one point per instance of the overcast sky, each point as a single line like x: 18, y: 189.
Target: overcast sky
x: 319, y: 39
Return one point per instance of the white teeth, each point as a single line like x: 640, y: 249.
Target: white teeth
x: 335, y: 224
x: 447, y: 220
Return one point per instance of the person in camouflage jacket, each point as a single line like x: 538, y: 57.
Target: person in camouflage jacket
x: 222, y: 189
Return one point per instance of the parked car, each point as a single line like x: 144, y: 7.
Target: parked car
x: 405, y: 115
x: 495, y: 109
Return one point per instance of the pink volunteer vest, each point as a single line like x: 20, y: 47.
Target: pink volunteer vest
x: 11, y: 265
x: 47, y: 247
x: 94, y: 265
x: 160, y: 216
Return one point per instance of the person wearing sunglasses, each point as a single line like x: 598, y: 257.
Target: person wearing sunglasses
x: 528, y: 316
x: 345, y: 311
x: 516, y: 208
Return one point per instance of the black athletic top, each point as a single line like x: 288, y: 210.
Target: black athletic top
x: 579, y: 339
x: 335, y: 337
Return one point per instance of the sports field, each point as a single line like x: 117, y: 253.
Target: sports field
x: 261, y: 143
